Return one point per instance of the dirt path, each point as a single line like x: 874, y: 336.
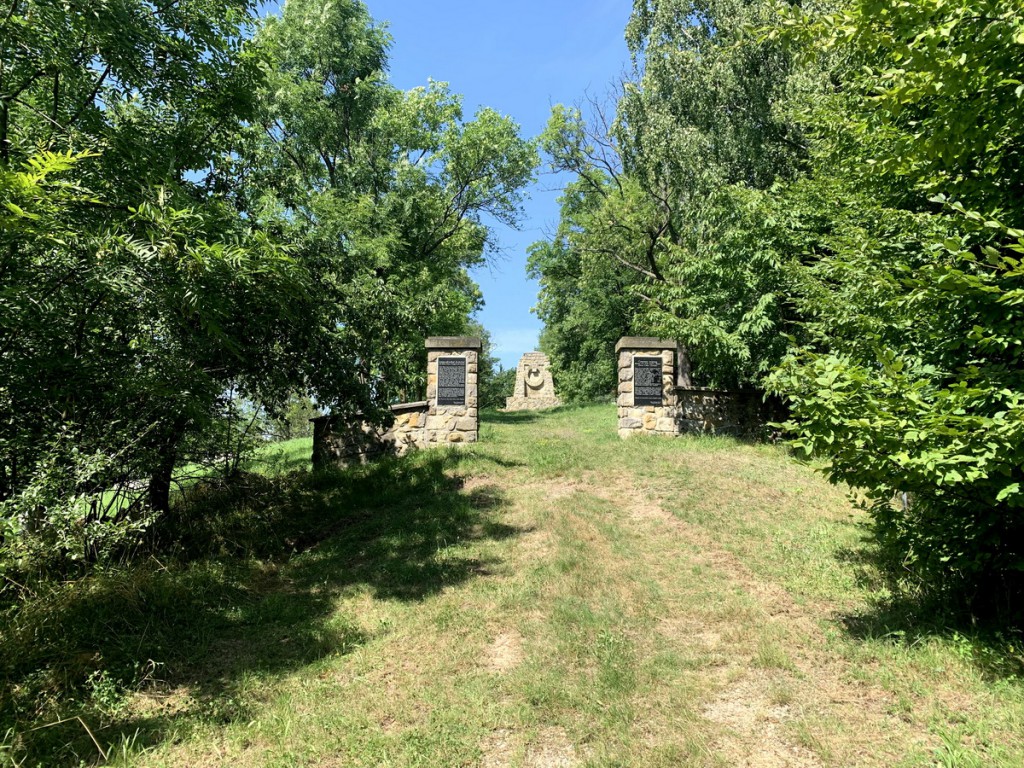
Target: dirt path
x: 752, y: 704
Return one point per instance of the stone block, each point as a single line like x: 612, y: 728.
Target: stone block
x: 667, y: 425
x: 650, y: 421
x: 439, y: 422
x: 625, y: 386
x: 455, y: 437
x: 630, y: 423
x: 466, y: 424
x: 626, y: 399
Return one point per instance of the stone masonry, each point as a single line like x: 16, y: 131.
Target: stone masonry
x: 452, y: 423
x: 673, y: 406
x: 339, y: 442
x: 449, y: 415
x: 535, y: 389
x: 647, y: 366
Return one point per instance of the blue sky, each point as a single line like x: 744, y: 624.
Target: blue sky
x: 519, y: 58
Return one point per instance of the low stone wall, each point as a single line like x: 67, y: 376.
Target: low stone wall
x: 449, y: 415
x: 715, y: 412
x: 657, y: 396
x: 341, y: 442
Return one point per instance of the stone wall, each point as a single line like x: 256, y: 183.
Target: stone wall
x: 449, y: 415
x: 685, y: 409
x: 342, y: 442
x: 744, y: 414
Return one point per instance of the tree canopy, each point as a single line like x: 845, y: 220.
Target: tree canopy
x: 824, y: 200
x: 202, y: 209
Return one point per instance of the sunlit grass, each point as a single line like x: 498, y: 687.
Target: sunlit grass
x: 549, y: 596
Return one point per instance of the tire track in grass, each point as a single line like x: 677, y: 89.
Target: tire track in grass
x: 762, y: 693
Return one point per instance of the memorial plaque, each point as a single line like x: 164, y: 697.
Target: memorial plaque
x: 647, y: 386
x: 451, y: 381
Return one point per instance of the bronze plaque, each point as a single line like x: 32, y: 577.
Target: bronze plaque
x: 647, y: 386
x: 451, y: 381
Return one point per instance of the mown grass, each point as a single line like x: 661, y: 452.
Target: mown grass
x: 549, y: 596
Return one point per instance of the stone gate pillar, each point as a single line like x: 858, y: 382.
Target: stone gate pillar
x: 452, y: 369
x: 647, y: 386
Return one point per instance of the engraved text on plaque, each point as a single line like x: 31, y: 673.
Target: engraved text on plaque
x: 647, y: 386
x: 451, y: 381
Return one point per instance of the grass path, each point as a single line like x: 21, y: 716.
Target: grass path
x: 575, y: 600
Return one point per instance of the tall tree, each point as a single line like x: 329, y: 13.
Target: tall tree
x: 586, y: 298
x: 384, y: 193
x: 701, y: 136
x: 118, y: 336
x: 910, y: 378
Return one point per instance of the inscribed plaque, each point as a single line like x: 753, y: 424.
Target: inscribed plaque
x: 451, y: 381
x: 647, y: 386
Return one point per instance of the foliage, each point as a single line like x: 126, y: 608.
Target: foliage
x: 501, y: 386
x: 492, y: 385
x: 120, y: 320
x: 678, y: 186
x: 826, y: 198
x: 382, y: 193
x: 584, y: 301
x: 196, y: 224
x: 294, y: 419
x: 910, y: 381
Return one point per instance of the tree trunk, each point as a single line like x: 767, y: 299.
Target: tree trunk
x: 160, y: 479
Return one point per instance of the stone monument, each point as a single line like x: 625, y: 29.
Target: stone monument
x: 648, y: 386
x: 453, y: 415
x: 535, y: 389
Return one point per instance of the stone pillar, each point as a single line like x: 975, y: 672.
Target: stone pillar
x: 452, y: 369
x: 647, y: 386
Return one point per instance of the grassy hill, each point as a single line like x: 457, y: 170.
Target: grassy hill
x: 551, y: 596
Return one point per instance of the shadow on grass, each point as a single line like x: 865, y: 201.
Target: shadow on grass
x: 251, y: 589
x: 901, y: 615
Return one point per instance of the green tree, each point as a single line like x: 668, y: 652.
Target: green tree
x: 586, y: 299
x: 681, y: 182
x: 909, y: 380
x: 121, y: 323
x: 234, y: 220
x: 382, y: 192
